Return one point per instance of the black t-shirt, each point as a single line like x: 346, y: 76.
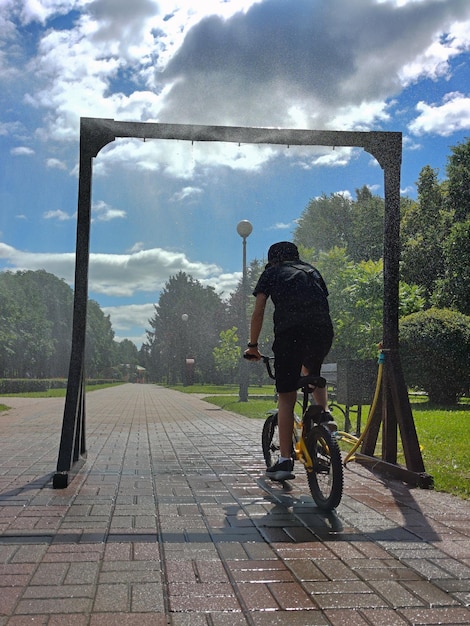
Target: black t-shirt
x: 298, y: 292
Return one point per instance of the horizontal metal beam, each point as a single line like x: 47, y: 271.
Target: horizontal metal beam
x: 380, y: 144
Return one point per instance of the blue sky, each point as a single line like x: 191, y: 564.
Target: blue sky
x: 161, y: 207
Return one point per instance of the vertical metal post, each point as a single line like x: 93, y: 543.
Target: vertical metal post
x: 244, y: 229
x: 73, y: 437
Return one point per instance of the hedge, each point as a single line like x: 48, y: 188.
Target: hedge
x: 28, y: 385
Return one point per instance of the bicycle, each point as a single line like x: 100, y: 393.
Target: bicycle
x: 313, y: 445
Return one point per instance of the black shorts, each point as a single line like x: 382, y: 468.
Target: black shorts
x: 300, y: 346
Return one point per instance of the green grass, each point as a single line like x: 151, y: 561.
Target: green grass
x: 445, y: 447
x: 227, y: 390
x: 441, y: 434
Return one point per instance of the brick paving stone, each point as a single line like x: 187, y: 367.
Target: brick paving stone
x: 123, y: 619
x: 147, y: 597
x: 70, y: 620
x: 383, y: 617
x: 37, y: 620
x: 170, y: 521
x: 430, y: 594
x: 257, y: 597
x: 291, y: 596
x: 396, y: 594
x: 289, y: 618
x: 112, y: 597
x: 53, y: 605
x: 429, y: 617
x: 350, y: 617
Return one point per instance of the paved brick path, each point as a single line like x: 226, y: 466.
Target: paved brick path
x: 171, y: 522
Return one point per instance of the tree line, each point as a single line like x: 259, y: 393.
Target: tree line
x: 36, y: 330
x: 193, y: 333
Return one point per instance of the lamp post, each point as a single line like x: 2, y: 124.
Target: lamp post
x: 188, y: 362
x: 244, y: 229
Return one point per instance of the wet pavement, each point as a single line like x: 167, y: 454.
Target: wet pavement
x: 170, y: 522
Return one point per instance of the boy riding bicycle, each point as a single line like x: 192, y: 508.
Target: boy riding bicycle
x: 303, y: 334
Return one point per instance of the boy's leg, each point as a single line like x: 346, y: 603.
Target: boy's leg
x: 285, y: 420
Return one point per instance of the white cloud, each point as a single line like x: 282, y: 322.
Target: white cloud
x: 121, y: 275
x: 281, y: 226
x: 56, y: 164
x: 187, y: 193
x: 102, y: 212
x: 22, y: 151
x: 10, y: 128
x: 127, y: 316
x: 282, y: 64
x: 58, y: 214
x: 180, y: 159
x: 240, y: 63
x: 434, y: 62
x: 449, y: 117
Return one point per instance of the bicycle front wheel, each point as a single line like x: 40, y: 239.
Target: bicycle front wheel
x: 270, y: 440
x: 325, y: 477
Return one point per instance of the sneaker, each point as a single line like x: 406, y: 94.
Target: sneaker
x: 327, y: 420
x: 281, y: 471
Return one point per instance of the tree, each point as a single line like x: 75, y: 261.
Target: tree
x: 325, y: 223
x: 458, y: 183
x: 453, y: 290
x: 36, y: 327
x: 26, y: 328
x: 227, y: 355
x: 100, y: 345
x: 336, y: 221
x: 172, y: 339
x: 126, y: 352
x: 365, y: 240
x: 424, y: 226
x: 435, y: 349
x: 58, y: 299
x: 356, y: 302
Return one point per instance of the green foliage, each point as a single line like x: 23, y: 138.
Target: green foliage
x: 174, y: 338
x: 36, y: 328
x: 356, y: 302
x: 126, y: 352
x: 325, y: 223
x: 435, y: 349
x: 336, y: 221
x: 424, y: 226
x: 227, y: 354
x: 458, y: 184
x: 453, y: 289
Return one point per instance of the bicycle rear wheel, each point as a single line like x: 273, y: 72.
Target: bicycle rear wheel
x: 325, y: 478
x: 270, y: 440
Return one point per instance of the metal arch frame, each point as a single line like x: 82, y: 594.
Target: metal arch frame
x: 385, y: 147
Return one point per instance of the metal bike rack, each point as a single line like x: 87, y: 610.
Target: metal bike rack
x: 385, y: 147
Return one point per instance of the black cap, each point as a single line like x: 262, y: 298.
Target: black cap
x: 283, y: 251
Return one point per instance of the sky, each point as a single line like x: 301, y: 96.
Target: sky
x: 160, y: 207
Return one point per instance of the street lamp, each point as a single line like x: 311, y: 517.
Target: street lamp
x: 244, y: 229
x: 188, y: 359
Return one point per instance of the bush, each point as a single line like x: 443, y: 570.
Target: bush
x: 22, y: 385
x: 435, y: 349
x: 30, y: 385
